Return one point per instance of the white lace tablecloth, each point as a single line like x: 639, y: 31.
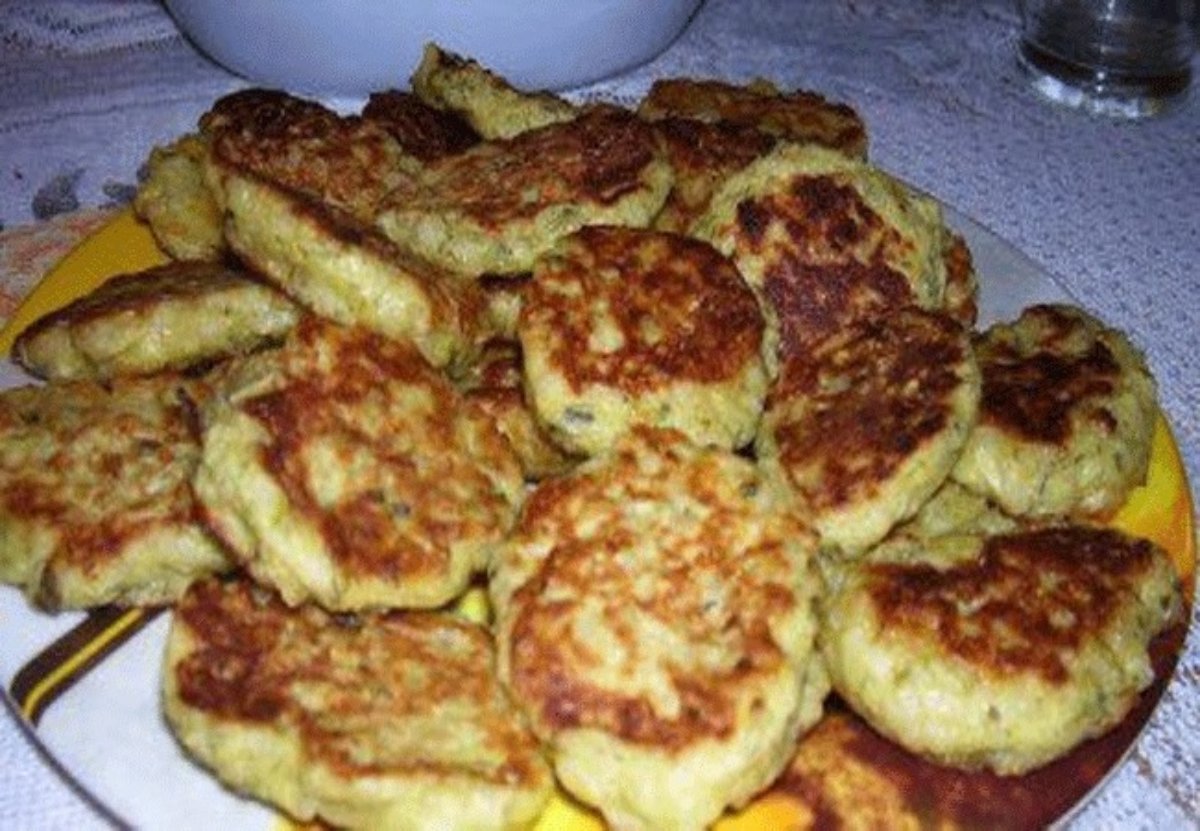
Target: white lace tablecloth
x: 1112, y: 209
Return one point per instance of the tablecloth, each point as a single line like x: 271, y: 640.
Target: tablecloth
x: 1110, y: 208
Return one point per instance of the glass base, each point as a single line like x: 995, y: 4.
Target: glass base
x: 1110, y: 94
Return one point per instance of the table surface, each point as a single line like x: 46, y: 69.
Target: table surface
x: 1109, y: 208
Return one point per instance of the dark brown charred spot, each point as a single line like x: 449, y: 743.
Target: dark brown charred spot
x: 702, y: 155
x: 1035, y: 395
x: 826, y: 264
x: 876, y: 393
x: 1023, y: 605
x: 229, y: 673
x: 423, y: 131
x: 683, y: 310
x: 699, y: 148
x: 812, y: 301
x: 753, y: 220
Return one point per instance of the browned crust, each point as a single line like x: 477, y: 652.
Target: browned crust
x: 496, y: 384
x: 596, y: 159
x: 372, y: 534
x: 832, y: 269
x: 798, y: 116
x: 348, y: 162
x: 874, y: 394
x: 702, y: 154
x: 1035, y: 598
x: 156, y: 437
x: 681, y: 307
x: 252, y: 656
x: 422, y: 130
x: 546, y: 651
x: 136, y: 293
x: 1038, y: 393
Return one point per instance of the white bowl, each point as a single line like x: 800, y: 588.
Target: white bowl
x: 354, y: 47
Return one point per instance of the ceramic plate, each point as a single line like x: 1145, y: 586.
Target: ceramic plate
x: 87, y: 685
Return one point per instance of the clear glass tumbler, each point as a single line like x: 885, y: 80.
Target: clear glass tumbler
x: 1120, y: 58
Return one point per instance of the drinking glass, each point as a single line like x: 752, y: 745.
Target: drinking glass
x: 1121, y: 58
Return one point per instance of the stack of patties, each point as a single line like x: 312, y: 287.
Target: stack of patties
x: 999, y: 627
x: 974, y: 616
x: 97, y: 462
x: 694, y: 388
x: 876, y: 383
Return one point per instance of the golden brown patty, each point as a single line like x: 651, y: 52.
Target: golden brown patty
x: 347, y: 162
x: 624, y: 326
x: 95, y: 498
x: 796, y: 116
x: 343, y: 468
x: 702, y: 155
x: 347, y: 271
x: 1067, y: 416
x: 1001, y: 652
x: 501, y: 204
x: 380, y: 721
x: 488, y: 102
x: 175, y: 201
x: 496, y: 384
x: 867, y: 425
x: 655, y: 621
x: 169, y: 317
x: 825, y: 239
x: 424, y: 132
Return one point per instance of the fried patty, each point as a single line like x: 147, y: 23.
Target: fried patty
x: 624, y: 326
x: 170, y: 317
x: 501, y: 204
x: 655, y: 621
x: 1067, y: 416
x: 347, y: 162
x: 344, y: 469
x: 95, y: 498
x: 346, y: 271
x: 798, y: 116
x: 825, y: 239
x: 377, y: 721
x: 999, y: 652
x: 489, y: 103
x: 869, y: 423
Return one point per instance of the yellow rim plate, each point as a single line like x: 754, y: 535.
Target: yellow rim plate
x: 1162, y: 510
